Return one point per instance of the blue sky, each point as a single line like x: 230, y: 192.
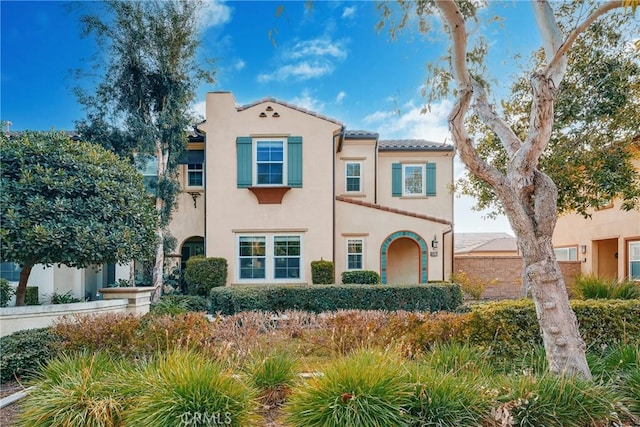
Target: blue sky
x: 330, y: 60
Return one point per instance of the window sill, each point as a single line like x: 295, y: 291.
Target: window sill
x: 354, y: 194
x: 269, y: 195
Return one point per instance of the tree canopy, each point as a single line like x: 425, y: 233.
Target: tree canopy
x: 69, y: 202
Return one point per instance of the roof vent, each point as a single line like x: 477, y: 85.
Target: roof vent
x: 263, y: 114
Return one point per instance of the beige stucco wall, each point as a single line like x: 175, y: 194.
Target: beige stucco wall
x: 439, y: 206
x: 363, y: 151
x: 232, y: 211
x: 605, y: 227
x: 375, y: 226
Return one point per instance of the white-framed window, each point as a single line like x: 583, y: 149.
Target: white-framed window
x: 270, y: 168
x: 353, y: 177
x: 634, y: 260
x: 570, y: 253
x: 414, y: 181
x: 270, y: 257
x: 195, y: 175
x: 355, y: 251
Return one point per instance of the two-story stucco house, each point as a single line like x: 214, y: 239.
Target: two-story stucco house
x: 607, y: 243
x: 272, y: 187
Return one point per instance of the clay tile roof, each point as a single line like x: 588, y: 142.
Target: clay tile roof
x: 392, y: 210
x: 288, y: 105
x: 412, y: 145
x: 360, y: 134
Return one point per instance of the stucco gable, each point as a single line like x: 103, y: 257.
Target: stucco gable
x: 288, y: 105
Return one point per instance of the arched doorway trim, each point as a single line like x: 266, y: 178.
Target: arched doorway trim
x: 423, y: 253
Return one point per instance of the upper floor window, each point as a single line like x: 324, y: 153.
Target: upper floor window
x: 354, y: 254
x: 413, y: 179
x: 353, y: 176
x: 195, y: 175
x: 634, y: 260
x: 566, y: 254
x: 269, y: 162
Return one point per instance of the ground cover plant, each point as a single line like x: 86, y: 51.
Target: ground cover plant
x: 340, y: 368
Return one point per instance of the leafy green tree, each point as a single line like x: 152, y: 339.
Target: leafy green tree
x: 68, y: 202
x: 526, y: 193
x: 141, y: 107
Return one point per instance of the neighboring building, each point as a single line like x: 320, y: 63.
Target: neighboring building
x: 607, y: 244
x: 485, y: 244
x: 272, y: 187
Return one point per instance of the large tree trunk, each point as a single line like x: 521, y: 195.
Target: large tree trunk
x: 162, y: 156
x: 21, y: 291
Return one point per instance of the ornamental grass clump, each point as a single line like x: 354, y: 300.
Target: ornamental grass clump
x: 556, y: 401
x: 458, y: 358
x: 75, y: 390
x: 273, y: 376
x: 446, y: 399
x: 590, y: 286
x: 183, y: 387
x: 366, y: 388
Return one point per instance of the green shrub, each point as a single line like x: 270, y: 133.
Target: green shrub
x: 361, y: 277
x: 203, y: 274
x: 510, y: 328
x: 320, y: 298
x: 187, y: 388
x: 593, y: 287
x: 322, y: 272
x: 66, y: 298
x: 178, y: 304
x: 22, y: 352
x: 32, y: 296
x: 6, y: 292
x: 75, y: 391
x: 446, y: 399
x: 366, y: 388
x: 555, y: 401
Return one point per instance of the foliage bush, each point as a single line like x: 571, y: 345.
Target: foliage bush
x: 593, y: 287
x: 320, y: 298
x: 322, y: 272
x: 367, y: 388
x: 6, y: 292
x: 22, y: 352
x: 203, y: 274
x: 66, y: 298
x: 472, y: 285
x: 75, y: 391
x: 362, y: 277
x: 32, y: 296
x: 510, y: 328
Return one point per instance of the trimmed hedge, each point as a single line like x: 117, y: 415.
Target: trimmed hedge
x: 322, y: 272
x: 22, y: 352
x: 203, y: 274
x: 360, y: 277
x: 320, y: 298
x: 509, y: 327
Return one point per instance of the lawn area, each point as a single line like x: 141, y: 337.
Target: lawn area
x: 344, y: 368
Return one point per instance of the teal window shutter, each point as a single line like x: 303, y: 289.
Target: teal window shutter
x: 244, y: 146
x: 396, y: 179
x: 431, y: 179
x: 294, y: 161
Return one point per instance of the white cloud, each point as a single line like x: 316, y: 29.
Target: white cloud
x: 239, y: 65
x: 305, y: 100
x: 307, y: 60
x: 340, y: 97
x: 215, y: 13
x: 199, y: 109
x: 349, y: 12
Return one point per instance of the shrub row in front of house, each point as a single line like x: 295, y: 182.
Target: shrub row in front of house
x: 320, y: 298
x: 508, y: 327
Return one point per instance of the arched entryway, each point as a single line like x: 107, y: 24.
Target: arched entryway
x: 403, y: 258
x: 191, y: 247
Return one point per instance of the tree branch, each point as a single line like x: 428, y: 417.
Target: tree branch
x: 552, y: 40
x: 458, y: 32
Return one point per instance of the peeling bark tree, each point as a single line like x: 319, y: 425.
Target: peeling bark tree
x: 528, y: 195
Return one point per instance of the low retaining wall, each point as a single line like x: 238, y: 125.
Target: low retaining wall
x: 116, y: 300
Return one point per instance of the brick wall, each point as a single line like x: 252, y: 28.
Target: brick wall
x: 508, y: 271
